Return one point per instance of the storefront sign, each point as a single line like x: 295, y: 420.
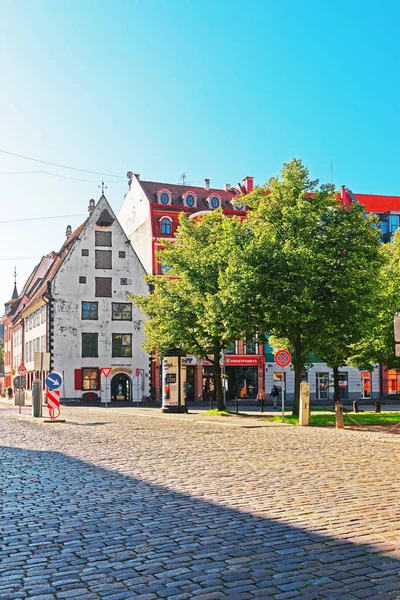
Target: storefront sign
x: 243, y: 360
x: 121, y: 370
x: 192, y: 360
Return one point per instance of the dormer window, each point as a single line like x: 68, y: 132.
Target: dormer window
x: 214, y: 201
x: 189, y: 199
x: 164, y: 197
x: 165, y: 226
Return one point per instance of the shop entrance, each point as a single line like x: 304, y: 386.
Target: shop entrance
x: 208, y: 384
x: 121, y: 388
x: 242, y: 382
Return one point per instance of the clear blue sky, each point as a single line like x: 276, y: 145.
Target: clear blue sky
x: 220, y: 89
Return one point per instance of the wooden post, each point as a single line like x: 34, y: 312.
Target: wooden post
x: 339, y: 415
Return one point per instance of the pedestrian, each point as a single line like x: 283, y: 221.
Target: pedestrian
x: 261, y: 397
x: 9, y: 393
x: 274, y: 395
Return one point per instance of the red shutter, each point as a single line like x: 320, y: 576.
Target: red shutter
x: 98, y: 380
x: 78, y: 379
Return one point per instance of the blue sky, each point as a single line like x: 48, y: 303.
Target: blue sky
x: 218, y: 89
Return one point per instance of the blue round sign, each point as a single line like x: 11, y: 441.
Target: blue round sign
x: 54, y: 381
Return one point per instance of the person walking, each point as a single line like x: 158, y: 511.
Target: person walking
x: 275, y: 394
x: 261, y: 397
x: 9, y: 393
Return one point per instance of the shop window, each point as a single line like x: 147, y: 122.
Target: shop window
x: 90, y: 379
x: 121, y: 311
x: 102, y: 238
x: 103, y: 259
x: 343, y: 385
x: 90, y: 343
x: 121, y: 344
x: 365, y: 384
x: 103, y: 287
x: 393, y: 382
x: 304, y: 377
x: 90, y: 311
x: 322, y: 383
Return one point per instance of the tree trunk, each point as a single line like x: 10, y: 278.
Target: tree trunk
x: 219, y: 396
x: 336, y: 387
x: 298, y: 370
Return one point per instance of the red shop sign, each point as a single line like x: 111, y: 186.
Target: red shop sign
x: 243, y: 360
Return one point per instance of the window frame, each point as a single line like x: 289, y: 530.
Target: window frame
x: 124, y: 304
x: 96, y: 318
x: 102, y: 253
x: 95, y: 354
x: 94, y: 379
x: 113, y: 345
x: 104, y: 233
x: 97, y: 295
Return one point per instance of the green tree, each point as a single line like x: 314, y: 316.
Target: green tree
x: 189, y: 308
x: 378, y: 345
x: 300, y: 238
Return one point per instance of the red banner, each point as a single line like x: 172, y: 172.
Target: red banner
x: 238, y: 360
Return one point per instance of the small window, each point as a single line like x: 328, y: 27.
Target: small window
x: 90, y: 378
x: 90, y: 311
x: 189, y: 200
x: 124, y: 281
x: 166, y: 226
x: 85, y: 252
x: 215, y: 202
x: 121, y: 311
x: 90, y: 345
x: 164, y: 269
x: 121, y: 344
x: 102, y: 238
x: 103, y: 287
x: 164, y: 198
x: 121, y: 254
x: 82, y: 279
x: 103, y: 259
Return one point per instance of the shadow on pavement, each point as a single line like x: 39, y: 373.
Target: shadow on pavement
x: 70, y: 529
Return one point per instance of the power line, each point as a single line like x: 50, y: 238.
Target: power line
x: 45, y: 162
x: 42, y: 218
x: 54, y: 175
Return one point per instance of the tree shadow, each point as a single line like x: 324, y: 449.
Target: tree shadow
x: 71, y: 529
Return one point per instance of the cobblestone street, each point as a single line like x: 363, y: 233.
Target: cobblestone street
x: 117, y: 505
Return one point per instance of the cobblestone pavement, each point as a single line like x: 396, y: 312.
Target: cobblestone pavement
x: 115, y: 506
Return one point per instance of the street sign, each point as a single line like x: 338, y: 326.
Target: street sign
x: 137, y: 372
x: 19, y: 382
x: 283, y: 358
x: 106, y: 371
x: 54, y: 381
x: 22, y: 368
x: 53, y: 403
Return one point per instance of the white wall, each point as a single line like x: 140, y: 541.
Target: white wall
x: 134, y: 217
x: 69, y: 293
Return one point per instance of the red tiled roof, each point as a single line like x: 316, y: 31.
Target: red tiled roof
x: 378, y: 204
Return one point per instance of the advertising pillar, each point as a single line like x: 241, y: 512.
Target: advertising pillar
x: 174, y: 383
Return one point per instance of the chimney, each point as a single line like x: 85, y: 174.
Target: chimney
x: 248, y: 184
x: 68, y: 231
x: 227, y: 187
x: 207, y: 184
x: 137, y: 175
x: 91, y: 205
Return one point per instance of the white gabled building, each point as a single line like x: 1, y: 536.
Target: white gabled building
x: 82, y: 315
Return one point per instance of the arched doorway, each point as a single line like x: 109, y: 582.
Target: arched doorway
x: 121, y: 388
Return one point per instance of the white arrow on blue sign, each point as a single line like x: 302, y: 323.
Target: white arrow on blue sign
x: 54, y: 381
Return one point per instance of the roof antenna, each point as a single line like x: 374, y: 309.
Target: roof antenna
x: 183, y: 179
